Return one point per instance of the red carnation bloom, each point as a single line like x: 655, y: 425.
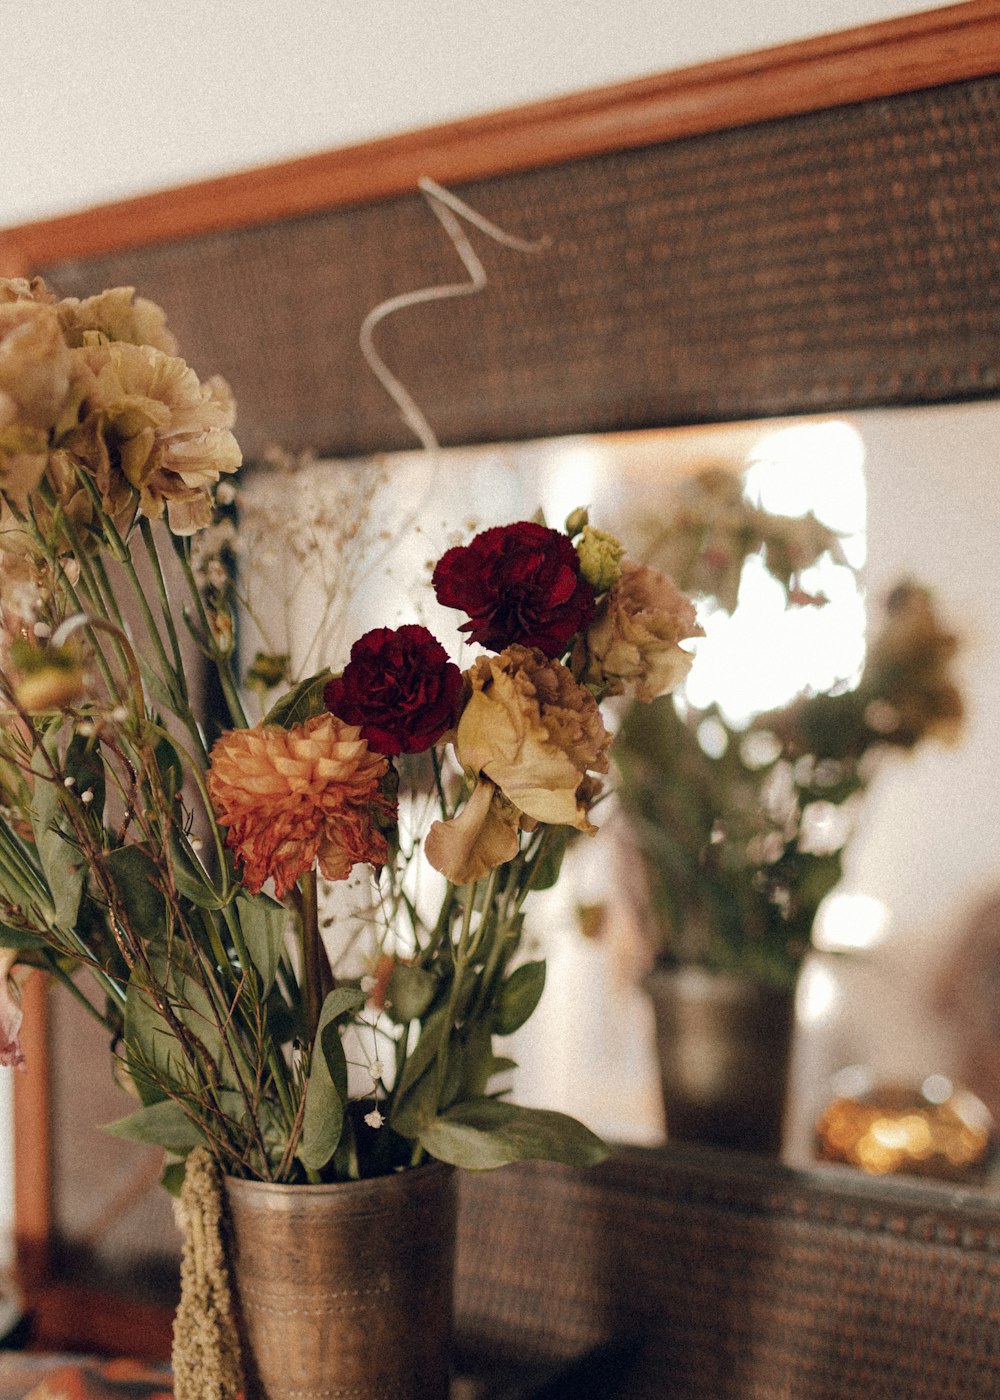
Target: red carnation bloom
x: 518, y: 584
x: 399, y: 687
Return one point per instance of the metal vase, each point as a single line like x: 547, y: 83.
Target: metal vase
x: 345, y: 1290
x: 724, y: 1044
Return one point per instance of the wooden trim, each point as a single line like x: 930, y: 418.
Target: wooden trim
x: 75, y: 1317
x: 33, y: 1215
x: 877, y: 60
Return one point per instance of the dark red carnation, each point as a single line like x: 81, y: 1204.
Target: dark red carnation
x: 400, y: 687
x: 517, y: 583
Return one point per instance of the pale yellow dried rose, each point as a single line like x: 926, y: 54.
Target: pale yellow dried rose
x: 482, y: 836
x: 148, y: 424
x: 535, y: 732
x: 117, y: 314
x: 632, y: 646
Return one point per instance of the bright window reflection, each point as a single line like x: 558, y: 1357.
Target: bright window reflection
x: 763, y: 654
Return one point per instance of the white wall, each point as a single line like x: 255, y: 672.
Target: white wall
x: 104, y: 98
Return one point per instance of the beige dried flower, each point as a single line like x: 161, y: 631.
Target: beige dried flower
x: 535, y: 732
x: 24, y: 289
x: 482, y: 836
x: 147, y: 424
x: 117, y: 314
x: 11, y: 1015
x: 35, y: 364
x: 633, y: 644
x: 35, y: 369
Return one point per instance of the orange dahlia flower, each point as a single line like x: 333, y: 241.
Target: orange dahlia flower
x: 290, y: 797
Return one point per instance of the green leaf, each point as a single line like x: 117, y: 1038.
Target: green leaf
x: 326, y: 1092
x: 338, y: 1003
x: 302, y: 702
x: 550, y: 864
x: 191, y: 877
x: 62, y: 864
x: 164, y: 1124
x: 172, y: 1175
x: 170, y: 765
x: 409, y: 993
x: 423, y: 1054
x: 155, y: 1057
x: 135, y: 876
x: 45, y: 794
x: 152, y: 1053
x: 16, y: 938
x: 158, y: 692
x: 85, y: 766
x: 65, y: 874
x: 414, y: 1099
x: 486, y: 1133
x: 263, y: 923
x: 519, y: 996
x: 470, y: 1064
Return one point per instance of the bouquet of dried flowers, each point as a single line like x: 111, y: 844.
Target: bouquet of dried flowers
x: 741, y: 830
x: 175, y: 881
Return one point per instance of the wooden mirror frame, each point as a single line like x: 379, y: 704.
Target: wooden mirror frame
x: 850, y: 70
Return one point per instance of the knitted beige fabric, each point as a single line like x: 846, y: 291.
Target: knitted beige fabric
x: 206, y: 1349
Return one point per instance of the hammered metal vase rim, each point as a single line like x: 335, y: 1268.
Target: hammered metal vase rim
x: 290, y: 1192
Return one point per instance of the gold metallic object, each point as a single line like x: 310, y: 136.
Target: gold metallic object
x: 900, y: 1130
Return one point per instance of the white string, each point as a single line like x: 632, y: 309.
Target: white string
x: 449, y: 210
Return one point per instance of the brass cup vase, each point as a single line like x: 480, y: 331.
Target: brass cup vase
x: 346, y: 1289
x: 723, y: 1043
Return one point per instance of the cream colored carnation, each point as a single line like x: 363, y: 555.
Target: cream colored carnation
x: 535, y: 732
x: 633, y: 643
x: 24, y: 289
x: 117, y: 314
x: 35, y: 364
x: 35, y: 369
x: 148, y: 424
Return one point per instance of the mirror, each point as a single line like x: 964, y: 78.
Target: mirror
x: 921, y: 859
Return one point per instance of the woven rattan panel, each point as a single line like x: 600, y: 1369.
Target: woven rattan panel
x: 842, y: 258
x: 747, y: 1282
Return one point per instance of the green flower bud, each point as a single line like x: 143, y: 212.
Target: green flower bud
x: 600, y: 556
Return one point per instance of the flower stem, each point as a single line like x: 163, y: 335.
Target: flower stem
x: 313, y: 954
x: 165, y: 609
x: 458, y: 976
x: 223, y: 663
x: 276, y: 1064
